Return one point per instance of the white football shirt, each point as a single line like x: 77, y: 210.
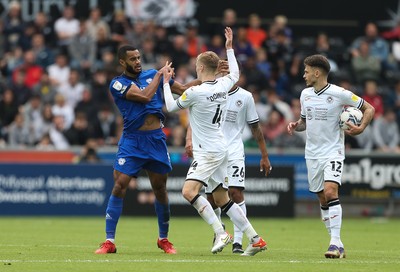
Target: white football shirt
x: 241, y: 110
x: 321, y: 111
x: 207, y: 104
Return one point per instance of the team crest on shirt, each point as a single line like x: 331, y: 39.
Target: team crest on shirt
x: 239, y: 103
x: 309, y: 113
x: 329, y: 99
x: 121, y: 161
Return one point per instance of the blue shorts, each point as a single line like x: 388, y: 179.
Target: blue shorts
x: 143, y: 150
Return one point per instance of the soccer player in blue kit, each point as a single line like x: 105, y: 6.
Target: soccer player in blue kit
x: 138, y: 96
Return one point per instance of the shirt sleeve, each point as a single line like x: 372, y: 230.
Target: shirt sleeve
x: 302, y: 109
x: 251, y: 112
x: 350, y: 99
x: 118, y: 89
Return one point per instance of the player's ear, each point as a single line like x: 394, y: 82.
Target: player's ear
x: 122, y: 62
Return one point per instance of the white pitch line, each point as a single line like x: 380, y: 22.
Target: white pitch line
x: 244, y: 260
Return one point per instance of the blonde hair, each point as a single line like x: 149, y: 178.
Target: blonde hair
x: 210, y: 61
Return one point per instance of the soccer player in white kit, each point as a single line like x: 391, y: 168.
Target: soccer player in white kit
x: 240, y: 111
x: 321, y: 105
x: 206, y: 104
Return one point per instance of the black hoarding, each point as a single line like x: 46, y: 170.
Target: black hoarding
x: 269, y: 197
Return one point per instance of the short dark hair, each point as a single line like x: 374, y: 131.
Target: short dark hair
x: 123, y: 49
x: 319, y: 61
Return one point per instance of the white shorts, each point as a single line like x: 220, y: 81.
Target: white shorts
x: 321, y: 170
x: 209, y: 168
x: 236, y: 173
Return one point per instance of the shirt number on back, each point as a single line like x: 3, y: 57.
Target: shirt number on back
x: 217, y: 116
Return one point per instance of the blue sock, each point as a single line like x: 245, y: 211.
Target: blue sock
x: 113, y: 212
x: 162, y: 211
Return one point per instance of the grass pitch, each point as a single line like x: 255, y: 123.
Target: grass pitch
x: 67, y: 244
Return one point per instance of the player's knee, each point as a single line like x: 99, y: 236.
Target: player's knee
x: 236, y: 195
x: 188, y: 194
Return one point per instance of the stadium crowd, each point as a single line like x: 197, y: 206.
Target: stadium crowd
x: 55, y: 75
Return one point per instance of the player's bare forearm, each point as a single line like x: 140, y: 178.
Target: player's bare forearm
x: 145, y: 95
x: 265, y: 165
x: 189, y: 144
x: 368, y: 112
x: 179, y: 88
x: 301, y: 125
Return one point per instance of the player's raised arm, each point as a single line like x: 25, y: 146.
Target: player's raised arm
x: 145, y: 95
x: 233, y: 66
x: 170, y: 102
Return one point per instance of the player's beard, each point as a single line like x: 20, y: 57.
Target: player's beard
x: 131, y: 70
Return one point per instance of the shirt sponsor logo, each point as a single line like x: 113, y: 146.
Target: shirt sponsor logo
x: 355, y: 98
x: 117, y: 85
x: 184, y: 96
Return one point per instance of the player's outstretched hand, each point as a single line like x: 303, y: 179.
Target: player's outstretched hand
x: 291, y: 127
x: 229, y: 37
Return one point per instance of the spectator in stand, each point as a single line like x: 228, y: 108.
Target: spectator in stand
x: 149, y: 57
x: 45, y: 89
x: 99, y: 88
x: 162, y: 43
x: 183, y: 75
x: 87, y: 105
x: 32, y: 113
x: 262, y: 63
x: 73, y: 89
x: 45, y: 122
x: 94, y: 23
x: 82, y: 50
x: 281, y: 23
x: 378, y: 47
x: 8, y: 110
x: 103, y: 44
x: 386, y: 132
x: 256, y: 35
x: 13, y: 29
x: 372, y: 96
x: 216, y: 44
x: 56, y: 133
x: 275, y: 127
x: 179, y: 53
x: 61, y: 108
x: 137, y: 33
x: 365, y: 66
x: 275, y: 102
x: 21, y: 91
x: 79, y: 132
x: 194, y: 42
x: 44, y: 55
x: 120, y: 27
x: 45, y: 144
x: 323, y: 47
x: 229, y: 18
x: 105, y: 127
x: 11, y: 61
x: 242, y: 46
x: 177, y: 137
x: 393, y: 100
x: 43, y: 26
x: 19, y: 133
x: 253, y: 75
x: 30, y: 70
x: 59, y: 70
x: 66, y: 27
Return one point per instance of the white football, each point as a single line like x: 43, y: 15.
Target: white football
x: 350, y: 114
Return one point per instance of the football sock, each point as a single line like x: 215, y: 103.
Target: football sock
x: 325, y: 217
x: 113, y: 212
x: 335, y: 221
x: 163, y: 215
x: 238, y: 234
x: 240, y: 220
x: 205, y: 210
x: 218, y: 213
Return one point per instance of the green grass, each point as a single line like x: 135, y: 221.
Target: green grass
x: 67, y: 244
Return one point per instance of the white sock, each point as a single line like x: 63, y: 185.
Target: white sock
x: 111, y: 240
x: 205, y: 210
x: 218, y: 213
x: 335, y: 221
x: 325, y: 218
x: 240, y: 220
x: 238, y: 234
